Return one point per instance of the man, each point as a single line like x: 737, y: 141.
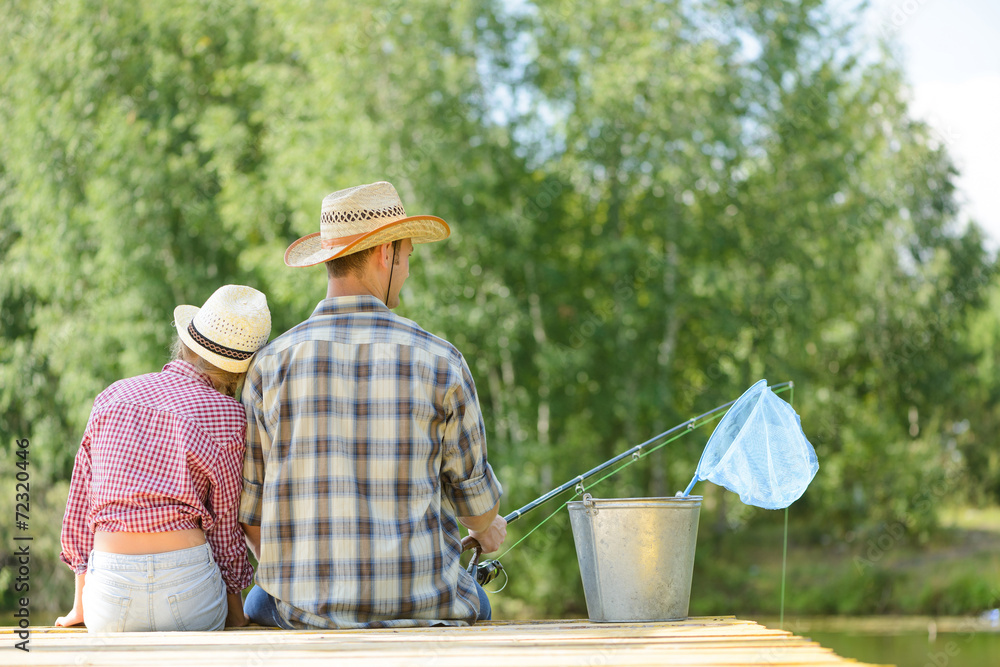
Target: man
x: 365, y: 443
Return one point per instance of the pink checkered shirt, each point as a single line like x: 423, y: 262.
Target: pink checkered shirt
x: 161, y: 452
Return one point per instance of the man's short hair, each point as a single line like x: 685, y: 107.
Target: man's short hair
x: 348, y: 264
x: 355, y: 262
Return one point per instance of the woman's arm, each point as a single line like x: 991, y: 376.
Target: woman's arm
x: 225, y: 536
x: 75, y: 615
x: 235, y: 618
x: 75, y: 537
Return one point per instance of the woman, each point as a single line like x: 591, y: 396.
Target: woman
x: 151, y: 520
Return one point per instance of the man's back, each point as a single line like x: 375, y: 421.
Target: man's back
x: 365, y: 443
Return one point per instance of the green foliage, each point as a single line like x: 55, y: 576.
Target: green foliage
x: 887, y: 571
x: 653, y: 205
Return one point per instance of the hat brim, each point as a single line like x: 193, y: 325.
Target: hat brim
x: 309, y: 250
x: 182, y: 318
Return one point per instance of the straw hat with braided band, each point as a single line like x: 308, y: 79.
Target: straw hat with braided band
x: 232, y: 325
x: 359, y: 218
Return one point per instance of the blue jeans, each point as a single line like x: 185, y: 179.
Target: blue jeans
x: 176, y: 590
x: 485, y: 610
x: 261, y: 608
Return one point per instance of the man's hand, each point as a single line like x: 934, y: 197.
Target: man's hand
x: 494, y: 535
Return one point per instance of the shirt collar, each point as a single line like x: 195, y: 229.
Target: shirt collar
x: 180, y: 367
x: 343, y: 305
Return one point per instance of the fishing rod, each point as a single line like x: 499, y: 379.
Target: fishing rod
x: 487, y: 571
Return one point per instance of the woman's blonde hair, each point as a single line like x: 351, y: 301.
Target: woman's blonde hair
x: 226, y: 382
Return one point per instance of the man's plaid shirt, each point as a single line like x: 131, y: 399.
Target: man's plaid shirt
x: 365, y: 442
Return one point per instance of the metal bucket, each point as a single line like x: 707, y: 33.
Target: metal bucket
x: 636, y: 556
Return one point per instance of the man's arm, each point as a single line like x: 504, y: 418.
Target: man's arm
x: 252, y: 534
x: 467, y: 477
x: 257, y: 439
x: 489, y: 529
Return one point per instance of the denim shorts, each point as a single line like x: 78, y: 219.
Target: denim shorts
x: 176, y: 590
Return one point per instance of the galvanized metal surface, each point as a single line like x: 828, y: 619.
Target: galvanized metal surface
x: 636, y: 556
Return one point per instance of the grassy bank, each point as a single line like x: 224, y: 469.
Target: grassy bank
x: 954, y: 571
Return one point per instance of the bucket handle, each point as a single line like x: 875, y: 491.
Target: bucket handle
x: 588, y: 505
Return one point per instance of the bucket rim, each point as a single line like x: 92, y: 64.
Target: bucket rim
x: 666, y: 501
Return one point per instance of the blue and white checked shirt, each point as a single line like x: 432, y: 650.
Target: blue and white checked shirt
x: 365, y: 442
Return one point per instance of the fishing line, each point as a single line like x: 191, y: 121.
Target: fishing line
x: 692, y: 424
x: 579, y: 487
x: 579, y: 490
x: 784, y: 559
x: 639, y: 453
x: 784, y: 546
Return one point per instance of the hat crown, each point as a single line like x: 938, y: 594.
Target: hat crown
x: 235, y: 317
x: 359, y: 218
x: 359, y: 210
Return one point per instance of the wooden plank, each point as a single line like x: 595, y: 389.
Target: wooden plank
x: 521, y: 657
x: 715, y: 641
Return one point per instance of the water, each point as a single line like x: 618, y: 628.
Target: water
x: 905, y: 641
x: 910, y: 650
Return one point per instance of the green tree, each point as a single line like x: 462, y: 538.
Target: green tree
x: 130, y: 139
x: 653, y: 205
x: 739, y: 193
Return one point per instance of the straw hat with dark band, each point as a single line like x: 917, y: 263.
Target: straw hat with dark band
x: 359, y: 218
x: 233, y: 324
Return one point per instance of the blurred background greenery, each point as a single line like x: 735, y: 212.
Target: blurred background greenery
x: 653, y: 205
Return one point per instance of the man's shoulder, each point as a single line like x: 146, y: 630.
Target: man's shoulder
x: 358, y: 328
x: 422, y: 338
x: 300, y: 332
x: 284, y: 339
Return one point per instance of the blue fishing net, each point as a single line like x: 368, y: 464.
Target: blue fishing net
x: 759, y: 451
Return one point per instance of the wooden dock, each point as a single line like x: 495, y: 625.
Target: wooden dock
x: 716, y: 640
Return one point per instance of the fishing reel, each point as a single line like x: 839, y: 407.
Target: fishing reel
x: 486, y: 571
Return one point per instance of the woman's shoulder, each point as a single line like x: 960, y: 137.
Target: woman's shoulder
x: 177, y: 398
x: 126, y: 389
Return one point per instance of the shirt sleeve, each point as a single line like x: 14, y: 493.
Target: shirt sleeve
x: 467, y: 477
x: 76, y: 537
x: 225, y: 536
x: 253, y: 458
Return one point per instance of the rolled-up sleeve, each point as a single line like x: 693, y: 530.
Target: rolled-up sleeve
x: 225, y: 536
x: 467, y: 477
x: 76, y: 538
